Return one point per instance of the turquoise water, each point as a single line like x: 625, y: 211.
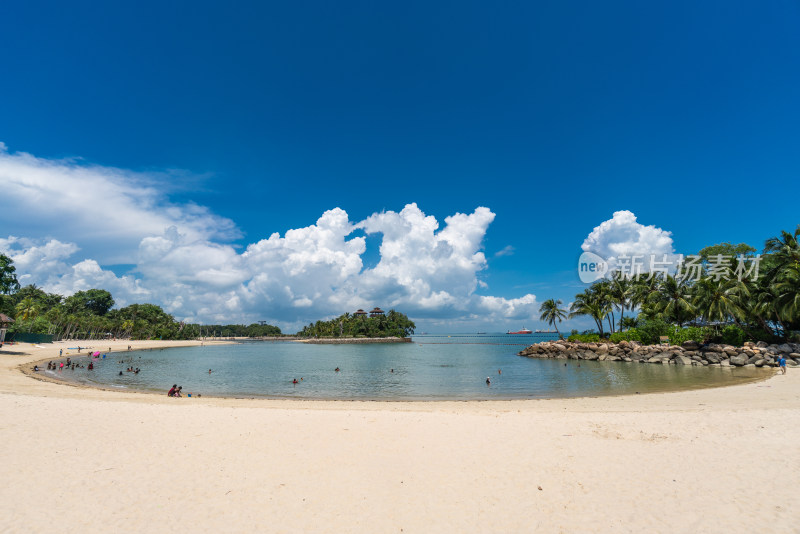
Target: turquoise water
x: 432, y: 368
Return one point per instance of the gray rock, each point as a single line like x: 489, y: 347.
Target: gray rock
x: 760, y: 362
x: 682, y: 360
x: 712, y: 357
x: 690, y: 345
x: 724, y: 363
x: 654, y: 359
x: 785, y: 348
x: 761, y: 344
x: 738, y: 360
x: 602, y: 348
x: 753, y: 359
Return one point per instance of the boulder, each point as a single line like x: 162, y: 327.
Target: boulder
x: 690, y: 345
x: 559, y: 346
x: 759, y: 363
x: 785, y: 348
x: 738, y: 360
x: 753, y: 359
x: 712, y: 357
x: 724, y: 363
x: 682, y: 360
x: 602, y: 357
x: 602, y: 348
x: 654, y: 359
x: 589, y: 355
x: 628, y: 359
x: 761, y: 344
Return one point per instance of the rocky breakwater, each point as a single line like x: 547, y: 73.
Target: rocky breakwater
x: 689, y: 353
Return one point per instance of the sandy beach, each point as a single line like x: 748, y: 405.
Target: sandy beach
x: 75, y: 459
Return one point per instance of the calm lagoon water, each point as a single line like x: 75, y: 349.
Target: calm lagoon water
x: 433, y: 367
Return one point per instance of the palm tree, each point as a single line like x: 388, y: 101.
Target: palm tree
x: 784, y: 250
x: 27, y: 309
x: 621, y: 294
x: 673, y: 300
x: 787, y: 295
x: 551, y: 312
x: 592, y: 303
x: 719, y: 300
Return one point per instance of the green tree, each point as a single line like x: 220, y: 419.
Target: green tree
x: 591, y: 302
x: 551, y: 312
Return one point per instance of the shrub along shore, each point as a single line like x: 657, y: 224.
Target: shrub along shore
x: 750, y: 354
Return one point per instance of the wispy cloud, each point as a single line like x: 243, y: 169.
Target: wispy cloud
x: 508, y: 250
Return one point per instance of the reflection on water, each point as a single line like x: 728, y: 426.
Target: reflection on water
x: 431, y: 368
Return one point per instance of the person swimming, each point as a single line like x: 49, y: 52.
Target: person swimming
x: 488, y: 381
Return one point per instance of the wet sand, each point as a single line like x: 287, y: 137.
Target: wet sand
x: 77, y: 459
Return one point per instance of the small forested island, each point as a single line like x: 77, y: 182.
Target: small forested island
x: 361, y: 324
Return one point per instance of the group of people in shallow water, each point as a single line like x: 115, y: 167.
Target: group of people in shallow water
x: 59, y: 366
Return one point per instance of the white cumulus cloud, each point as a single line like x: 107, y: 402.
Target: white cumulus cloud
x: 69, y: 219
x: 623, y: 235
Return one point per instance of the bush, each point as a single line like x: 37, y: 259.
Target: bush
x: 631, y: 334
x: 733, y: 335
x: 690, y: 333
x: 584, y: 338
x: 651, y: 330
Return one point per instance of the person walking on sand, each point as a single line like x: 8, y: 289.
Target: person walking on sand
x: 782, y: 364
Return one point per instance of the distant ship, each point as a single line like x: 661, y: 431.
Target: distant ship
x: 547, y: 332
x: 523, y: 331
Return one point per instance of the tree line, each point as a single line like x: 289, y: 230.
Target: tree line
x: 90, y: 315
x: 717, y: 304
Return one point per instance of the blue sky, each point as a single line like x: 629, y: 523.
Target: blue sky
x: 553, y: 115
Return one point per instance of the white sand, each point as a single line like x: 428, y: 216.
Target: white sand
x: 84, y: 460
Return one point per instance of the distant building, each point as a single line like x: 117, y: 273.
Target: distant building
x: 360, y: 313
x: 376, y: 312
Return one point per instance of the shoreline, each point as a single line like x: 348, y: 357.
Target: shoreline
x: 26, y: 369
x: 722, y: 456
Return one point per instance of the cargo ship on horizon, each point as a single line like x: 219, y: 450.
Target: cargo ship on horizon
x: 523, y: 331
